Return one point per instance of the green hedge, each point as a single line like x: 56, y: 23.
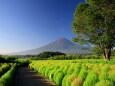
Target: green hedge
x: 7, y: 78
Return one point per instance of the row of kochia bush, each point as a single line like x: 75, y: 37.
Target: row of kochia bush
x: 66, y: 73
x: 4, y: 68
x: 7, y: 72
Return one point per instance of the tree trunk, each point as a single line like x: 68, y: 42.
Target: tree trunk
x: 107, y: 54
x: 104, y: 55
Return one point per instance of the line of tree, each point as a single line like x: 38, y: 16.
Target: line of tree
x: 45, y: 55
x: 74, y: 57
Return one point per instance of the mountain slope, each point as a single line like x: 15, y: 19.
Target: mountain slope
x: 62, y: 45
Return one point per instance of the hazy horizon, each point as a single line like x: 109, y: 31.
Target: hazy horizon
x: 28, y: 24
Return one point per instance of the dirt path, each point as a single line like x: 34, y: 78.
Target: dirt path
x: 27, y: 77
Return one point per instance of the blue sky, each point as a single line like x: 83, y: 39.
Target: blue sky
x: 29, y: 24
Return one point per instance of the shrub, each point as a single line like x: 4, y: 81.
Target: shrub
x: 65, y: 70
x: 78, y: 65
x: 40, y: 69
x: 82, y: 74
x: 90, y: 66
x: 51, y: 74
x: 77, y: 68
x: 76, y: 71
x: 95, y: 66
x: 77, y: 82
x: 104, y: 83
x: 7, y: 78
x: 4, y: 68
x: 56, y: 73
x: 47, y: 71
x: 70, y: 71
x: 91, y: 79
x: 59, y: 78
x: 106, y: 68
x: 64, y: 80
x: 3, y: 82
x: 103, y: 76
x: 100, y: 65
x: 112, y: 77
x: 84, y: 68
x: 70, y: 79
x: 54, y: 70
x: 43, y: 70
x: 37, y: 68
x: 112, y: 67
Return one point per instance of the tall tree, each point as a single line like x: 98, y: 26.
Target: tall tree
x: 94, y: 23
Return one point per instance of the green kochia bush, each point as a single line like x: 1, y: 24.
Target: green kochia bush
x: 51, y: 74
x: 103, y: 76
x: 64, y: 80
x: 104, y: 73
x: 47, y: 71
x: 77, y: 68
x: 104, y: 83
x: 90, y: 66
x: 77, y: 82
x: 7, y: 78
x: 91, y: 79
x: 65, y: 70
x: 4, y: 68
x: 70, y: 79
x: 37, y: 68
x: 59, y: 78
x: 82, y: 74
x: 84, y: 67
x: 74, y: 73
x: 56, y: 74
x: 43, y: 70
x: 112, y: 77
x: 70, y: 71
x: 106, y: 68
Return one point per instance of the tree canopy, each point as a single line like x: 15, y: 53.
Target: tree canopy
x: 94, y: 23
x: 48, y: 54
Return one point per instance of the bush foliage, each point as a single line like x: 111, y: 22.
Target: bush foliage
x: 76, y: 72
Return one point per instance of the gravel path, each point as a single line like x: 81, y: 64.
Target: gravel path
x: 28, y: 77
